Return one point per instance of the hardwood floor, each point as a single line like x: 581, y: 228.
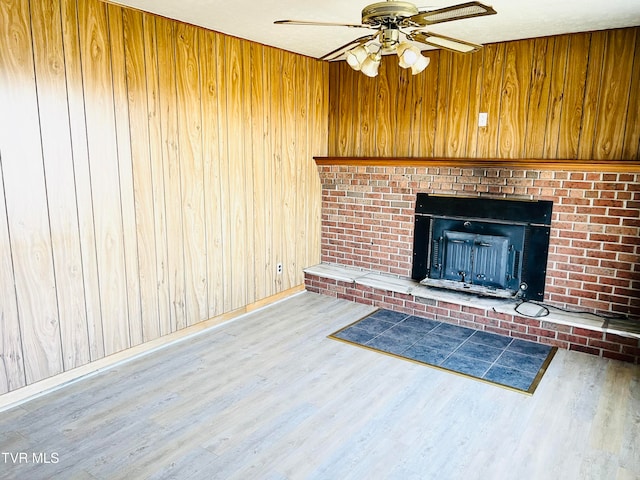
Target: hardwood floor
x: 268, y: 396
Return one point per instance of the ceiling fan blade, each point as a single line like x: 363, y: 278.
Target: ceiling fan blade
x: 447, y: 14
x: 319, y: 24
x: 354, y: 43
x: 441, y: 41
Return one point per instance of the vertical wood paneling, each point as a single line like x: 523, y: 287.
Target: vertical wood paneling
x: 570, y: 96
x: 236, y: 204
x: 152, y: 176
x: 425, y: 91
x: 59, y: 178
x: 212, y: 174
x: 631, y: 149
x: 515, y: 93
x: 385, y: 115
x: 104, y: 149
x: 556, y: 97
x: 402, y: 144
x: 393, y: 80
x: 259, y: 165
x: 574, y: 87
x: 345, y: 130
x: 458, y: 107
x: 224, y: 154
x: 248, y: 276
x: 494, y: 59
x: 157, y: 183
x: 276, y: 96
x: 592, y: 94
x: 363, y: 126
x: 134, y: 51
x: 124, y: 179
x: 474, y: 104
x: 172, y: 181
x: 270, y: 126
x: 80, y: 155
x: 618, y: 58
x: 412, y: 105
x: 538, y: 104
x: 445, y: 78
x: 25, y: 198
x: 288, y: 169
x: 301, y: 146
x: 192, y: 173
x: 334, y: 89
x: 12, y: 373
x: 318, y: 126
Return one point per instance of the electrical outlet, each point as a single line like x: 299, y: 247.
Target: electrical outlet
x: 482, y: 119
x: 279, y: 268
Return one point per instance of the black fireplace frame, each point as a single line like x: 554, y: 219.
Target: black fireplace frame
x: 493, y: 216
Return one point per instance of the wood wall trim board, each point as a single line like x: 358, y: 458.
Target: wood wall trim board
x: 50, y: 384
x: 530, y: 163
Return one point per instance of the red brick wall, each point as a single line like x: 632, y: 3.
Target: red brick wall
x: 594, y: 255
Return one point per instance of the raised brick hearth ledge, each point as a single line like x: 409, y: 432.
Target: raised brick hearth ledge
x: 573, y: 331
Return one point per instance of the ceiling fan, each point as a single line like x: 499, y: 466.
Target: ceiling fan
x: 397, y: 24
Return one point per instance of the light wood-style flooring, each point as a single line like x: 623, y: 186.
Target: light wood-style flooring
x: 269, y: 396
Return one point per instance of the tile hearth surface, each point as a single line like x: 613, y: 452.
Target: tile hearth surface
x: 509, y: 362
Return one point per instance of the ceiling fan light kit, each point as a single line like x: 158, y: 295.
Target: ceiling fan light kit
x: 407, y: 54
x: 420, y: 65
x: 398, y: 24
x: 356, y: 56
x: 371, y: 65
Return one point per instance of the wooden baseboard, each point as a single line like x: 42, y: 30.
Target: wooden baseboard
x: 24, y: 394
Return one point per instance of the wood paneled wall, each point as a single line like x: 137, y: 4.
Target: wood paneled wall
x: 153, y: 175
x: 567, y: 97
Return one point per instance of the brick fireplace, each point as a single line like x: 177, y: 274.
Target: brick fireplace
x: 594, y: 246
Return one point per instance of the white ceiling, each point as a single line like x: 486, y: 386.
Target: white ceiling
x: 516, y: 19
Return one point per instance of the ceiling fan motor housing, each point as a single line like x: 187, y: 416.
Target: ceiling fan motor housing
x: 385, y: 13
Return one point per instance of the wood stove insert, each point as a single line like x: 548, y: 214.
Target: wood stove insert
x: 488, y: 246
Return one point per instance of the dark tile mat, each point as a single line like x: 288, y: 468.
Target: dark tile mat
x: 509, y: 362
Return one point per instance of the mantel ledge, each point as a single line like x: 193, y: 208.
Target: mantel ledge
x: 408, y: 286
x: 617, y: 166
